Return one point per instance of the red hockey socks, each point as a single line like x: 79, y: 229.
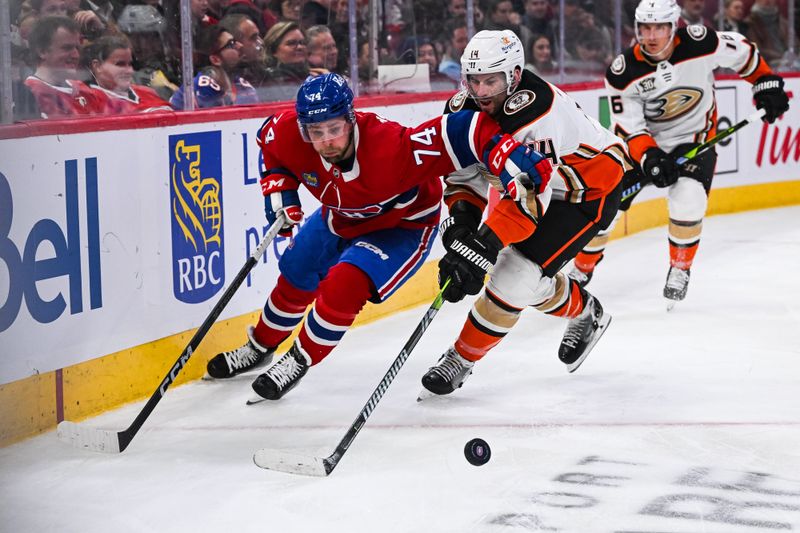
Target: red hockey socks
x: 340, y: 297
x: 284, y: 309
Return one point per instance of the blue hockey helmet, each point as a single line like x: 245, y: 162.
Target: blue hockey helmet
x: 323, y: 98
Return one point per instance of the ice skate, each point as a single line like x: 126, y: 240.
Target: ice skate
x: 283, y: 376
x: 447, y: 375
x: 582, y: 334
x: 676, y: 286
x: 248, y: 357
x: 579, y: 276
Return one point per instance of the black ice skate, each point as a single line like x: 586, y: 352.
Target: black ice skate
x: 447, y: 375
x: 582, y: 333
x: 676, y: 286
x: 251, y: 355
x: 283, y: 376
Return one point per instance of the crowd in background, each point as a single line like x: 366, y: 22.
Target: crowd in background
x: 90, y: 57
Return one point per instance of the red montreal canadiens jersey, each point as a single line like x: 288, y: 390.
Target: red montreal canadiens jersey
x: 394, y: 180
x: 139, y: 99
x: 76, y: 98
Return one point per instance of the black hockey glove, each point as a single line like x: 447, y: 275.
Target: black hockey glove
x: 463, y: 221
x: 467, y: 262
x: 769, y: 95
x: 659, y: 167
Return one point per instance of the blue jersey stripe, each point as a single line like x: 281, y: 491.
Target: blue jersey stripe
x: 459, y: 126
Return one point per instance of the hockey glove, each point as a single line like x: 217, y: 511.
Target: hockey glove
x: 659, y: 167
x: 463, y: 221
x: 769, y: 95
x: 280, y: 197
x: 467, y: 262
x: 521, y: 169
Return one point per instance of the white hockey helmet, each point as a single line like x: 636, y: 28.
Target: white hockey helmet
x: 657, y: 11
x: 494, y: 51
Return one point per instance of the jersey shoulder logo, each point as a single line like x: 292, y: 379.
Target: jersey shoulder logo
x: 457, y: 100
x: 697, y: 31
x: 518, y: 101
x: 618, y: 66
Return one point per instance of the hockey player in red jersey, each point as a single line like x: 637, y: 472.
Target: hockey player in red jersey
x: 661, y: 93
x: 380, y: 190
x: 533, y: 231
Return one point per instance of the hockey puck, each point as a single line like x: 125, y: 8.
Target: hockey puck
x: 477, y: 452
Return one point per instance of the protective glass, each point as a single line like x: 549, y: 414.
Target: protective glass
x: 327, y: 130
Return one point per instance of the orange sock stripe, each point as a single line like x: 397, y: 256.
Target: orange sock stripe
x: 473, y: 343
x: 586, y: 261
x: 574, y: 304
x: 682, y: 256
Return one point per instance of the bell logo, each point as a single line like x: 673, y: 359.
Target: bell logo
x: 68, y: 246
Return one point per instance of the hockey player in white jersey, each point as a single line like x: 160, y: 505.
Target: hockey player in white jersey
x: 661, y: 94
x: 535, y: 228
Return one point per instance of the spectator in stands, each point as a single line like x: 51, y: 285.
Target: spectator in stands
x: 215, y: 10
x: 216, y: 83
x: 500, y: 15
x: 154, y: 66
x: 770, y: 31
x: 322, y: 50
x: 420, y: 50
x: 456, y: 31
x: 264, y: 17
x: 110, y: 62
x: 55, y: 44
x: 733, y: 17
x: 692, y: 13
x: 540, y: 57
x: 253, y: 66
x: 592, y: 52
x: 288, y: 49
x: 287, y: 10
x: 49, y: 8
x: 537, y: 18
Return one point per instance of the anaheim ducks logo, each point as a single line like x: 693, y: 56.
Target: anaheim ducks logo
x: 457, y: 101
x: 697, y: 31
x: 519, y: 100
x: 673, y: 104
x: 618, y: 66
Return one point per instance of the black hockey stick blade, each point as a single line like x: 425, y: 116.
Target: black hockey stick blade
x: 306, y: 465
x: 100, y: 440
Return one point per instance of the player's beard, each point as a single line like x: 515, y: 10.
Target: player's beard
x: 342, y: 154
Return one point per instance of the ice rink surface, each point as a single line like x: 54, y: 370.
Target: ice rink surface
x: 687, y: 421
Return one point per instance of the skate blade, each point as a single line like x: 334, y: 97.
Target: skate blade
x: 425, y: 394
x: 671, y: 304
x: 601, y: 329
x: 255, y: 399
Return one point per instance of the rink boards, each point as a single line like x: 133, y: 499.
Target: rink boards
x: 116, y: 243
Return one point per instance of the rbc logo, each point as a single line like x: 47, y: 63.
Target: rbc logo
x: 25, y: 270
x: 198, y: 254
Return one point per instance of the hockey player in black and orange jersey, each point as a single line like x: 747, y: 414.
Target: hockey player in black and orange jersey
x: 532, y: 232
x: 661, y: 93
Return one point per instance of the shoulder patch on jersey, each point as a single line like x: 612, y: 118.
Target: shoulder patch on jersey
x: 518, y: 101
x: 697, y: 31
x: 618, y: 66
x: 457, y: 101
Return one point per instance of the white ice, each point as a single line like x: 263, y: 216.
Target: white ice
x: 687, y: 421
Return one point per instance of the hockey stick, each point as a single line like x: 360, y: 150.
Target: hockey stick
x: 697, y: 150
x: 295, y: 463
x: 101, y: 440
